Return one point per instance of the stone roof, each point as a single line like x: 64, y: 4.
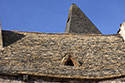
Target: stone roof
x: 78, y: 22
x: 62, y: 55
x: 82, y: 52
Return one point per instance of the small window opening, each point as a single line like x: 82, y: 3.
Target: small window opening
x: 68, y: 20
x: 69, y: 62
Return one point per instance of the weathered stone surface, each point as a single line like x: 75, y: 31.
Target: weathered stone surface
x: 99, y: 56
x: 78, y: 22
x: 1, y: 41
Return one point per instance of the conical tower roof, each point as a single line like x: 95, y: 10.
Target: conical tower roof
x: 78, y: 22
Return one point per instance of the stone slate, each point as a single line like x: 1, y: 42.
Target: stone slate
x: 41, y: 54
x: 78, y: 22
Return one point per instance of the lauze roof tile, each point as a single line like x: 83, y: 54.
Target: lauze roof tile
x: 82, y: 52
x: 100, y: 56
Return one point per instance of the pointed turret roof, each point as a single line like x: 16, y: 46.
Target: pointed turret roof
x: 78, y: 22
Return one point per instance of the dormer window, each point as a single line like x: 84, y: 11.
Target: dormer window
x: 68, y: 60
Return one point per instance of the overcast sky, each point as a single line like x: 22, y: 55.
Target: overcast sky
x: 50, y: 16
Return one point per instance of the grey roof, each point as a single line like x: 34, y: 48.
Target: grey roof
x: 78, y: 22
x: 42, y: 54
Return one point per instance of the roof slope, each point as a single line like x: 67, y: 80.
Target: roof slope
x: 100, y: 56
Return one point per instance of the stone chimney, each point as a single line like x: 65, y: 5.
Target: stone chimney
x: 78, y: 22
x: 1, y: 40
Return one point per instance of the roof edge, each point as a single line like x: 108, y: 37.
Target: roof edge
x: 72, y: 77
x: 62, y: 33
